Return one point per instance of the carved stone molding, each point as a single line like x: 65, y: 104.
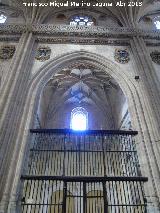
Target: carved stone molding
x: 12, y: 28
x: 152, y: 43
x: 81, y: 65
x: 155, y: 57
x: 67, y: 30
x: 7, y: 51
x: 10, y: 38
x: 90, y: 41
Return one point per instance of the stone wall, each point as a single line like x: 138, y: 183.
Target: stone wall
x: 21, y: 93
x: 5, y: 65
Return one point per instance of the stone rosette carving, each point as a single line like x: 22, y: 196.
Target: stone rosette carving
x: 7, y: 51
x: 121, y: 56
x: 43, y: 53
x: 155, y: 55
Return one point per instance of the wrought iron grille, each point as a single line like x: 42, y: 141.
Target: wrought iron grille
x: 83, y: 172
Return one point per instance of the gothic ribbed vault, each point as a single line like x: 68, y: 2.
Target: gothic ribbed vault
x: 81, y: 84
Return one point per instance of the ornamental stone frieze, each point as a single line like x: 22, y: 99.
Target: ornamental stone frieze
x: 121, y: 56
x: 93, y: 41
x: 7, y: 51
x: 43, y: 53
x: 155, y: 57
x: 81, y: 65
x: 12, y: 28
x: 67, y: 30
x: 13, y: 38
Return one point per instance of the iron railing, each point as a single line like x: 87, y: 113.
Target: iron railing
x: 92, y: 171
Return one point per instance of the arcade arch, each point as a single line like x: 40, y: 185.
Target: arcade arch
x: 40, y: 79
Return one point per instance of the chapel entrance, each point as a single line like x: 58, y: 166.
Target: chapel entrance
x: 90, y: 171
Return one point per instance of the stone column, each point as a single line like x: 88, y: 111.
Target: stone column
x: 12, y: 106
x: 149, y: 120
x: 146, y: 71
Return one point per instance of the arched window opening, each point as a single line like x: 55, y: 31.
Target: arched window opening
x: 80, y: 20
x: 2, y: 18
x: 79, y: 119
x: 157, y: 22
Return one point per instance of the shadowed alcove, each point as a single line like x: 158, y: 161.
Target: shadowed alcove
x: 85, y: 86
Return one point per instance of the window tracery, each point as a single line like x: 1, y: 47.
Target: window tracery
x: 79, y: 119
x: 157, y: 22
x: 81, y: 20
x: 3, y: 18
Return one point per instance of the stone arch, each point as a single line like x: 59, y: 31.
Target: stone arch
x: 41, y: 77
x: 106, y: 65
x: 123, y: 79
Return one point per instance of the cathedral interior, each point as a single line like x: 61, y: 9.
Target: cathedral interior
x: 79, y: 106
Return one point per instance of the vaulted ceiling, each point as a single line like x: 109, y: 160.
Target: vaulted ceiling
x: 127, y: 16
x: 80, y: 84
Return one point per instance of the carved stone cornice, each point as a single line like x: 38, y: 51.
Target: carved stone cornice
x: 81, y: 32
x: 89, y: 41
x: 9, y: 38
x: 67, y: 30
x: 152, y: 43
x: 12, y: 28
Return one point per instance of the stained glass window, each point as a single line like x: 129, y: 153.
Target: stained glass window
x: 79, y: 119
x: 157, y: 23
x: 2, y: 18
x: 81, y: 21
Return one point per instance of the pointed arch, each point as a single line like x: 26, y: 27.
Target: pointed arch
x: 140, y: 114
x: 53, y: 66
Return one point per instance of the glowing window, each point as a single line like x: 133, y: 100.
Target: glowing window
x: 79, y: 119
x: 2, y: 18
x: 157, y: 23
x: 81, y: 21
x: 156, y: 20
